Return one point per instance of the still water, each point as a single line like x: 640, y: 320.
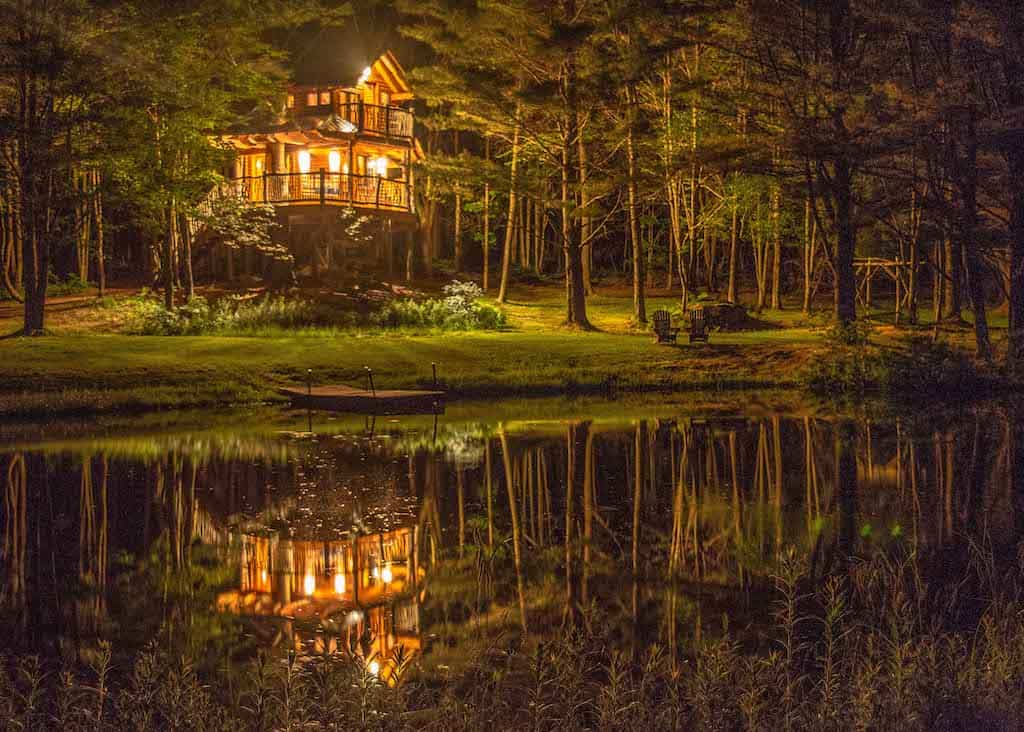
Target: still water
x: 422, y: 540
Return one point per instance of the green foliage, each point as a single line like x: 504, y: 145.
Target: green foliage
x: 146, y: 315
x: 851, y: 365
x: 458, y: 310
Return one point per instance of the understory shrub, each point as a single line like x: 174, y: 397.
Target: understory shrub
x: 146, y: 315
x: 459, y: 309
x: 852, y: 365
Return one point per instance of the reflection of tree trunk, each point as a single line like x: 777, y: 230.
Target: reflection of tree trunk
x: 1016, y: 462
x: 640, y: 442
x: 588, y: 513
x: 15, y: 533
x: 514, y: 512
x: 577, y: 437
x: 846, y: 486
x: 461, y: 488
x: 490, y: 497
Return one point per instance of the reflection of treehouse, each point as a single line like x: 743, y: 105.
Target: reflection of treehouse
x: 352, y: 593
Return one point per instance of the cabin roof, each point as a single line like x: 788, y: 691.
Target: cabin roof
x: 384, y: 69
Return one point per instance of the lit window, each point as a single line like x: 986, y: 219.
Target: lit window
x: 304, y: 161
x: 385, y: 99
x: 311, y: 99
x: 380, y: 166
x: 325, y: 98
x: 334, y: 161
x: 291, y: 101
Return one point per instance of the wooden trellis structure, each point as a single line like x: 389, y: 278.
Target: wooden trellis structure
x: 866, y: 269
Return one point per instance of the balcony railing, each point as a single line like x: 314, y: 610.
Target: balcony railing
x: 358, y: 191
x: 379, y: 120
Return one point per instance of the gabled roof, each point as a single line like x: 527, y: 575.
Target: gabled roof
x: 385, y: 70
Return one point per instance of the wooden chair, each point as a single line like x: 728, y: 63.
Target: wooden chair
x: 663, y: 330
x: 698, y: 325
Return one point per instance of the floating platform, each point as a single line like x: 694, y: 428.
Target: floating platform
x: 343, y: 398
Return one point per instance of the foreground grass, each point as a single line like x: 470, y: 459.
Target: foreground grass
x: 869, y: 646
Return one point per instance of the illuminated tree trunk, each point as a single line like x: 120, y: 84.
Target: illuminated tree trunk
x: 506, y: 254
x: 639, y: 303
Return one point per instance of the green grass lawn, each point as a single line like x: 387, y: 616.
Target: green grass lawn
x: 82, y: 369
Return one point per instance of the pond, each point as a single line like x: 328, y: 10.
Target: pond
x: 419, y: 541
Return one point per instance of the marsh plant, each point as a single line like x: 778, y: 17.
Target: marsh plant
x: 871, y: 645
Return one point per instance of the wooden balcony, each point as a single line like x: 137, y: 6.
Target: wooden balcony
x: 325, y: 189
x: 375, y: 119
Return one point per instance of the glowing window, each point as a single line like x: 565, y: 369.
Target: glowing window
x: 311, y: 99
x: 304, y: 161
x: 291, y: 101
x: 325, y: 98
x: 334, y: 161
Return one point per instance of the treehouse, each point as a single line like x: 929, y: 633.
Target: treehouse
x: 347, y: 144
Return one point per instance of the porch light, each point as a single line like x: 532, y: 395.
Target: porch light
x: 263, y: 576
x: 386, y: 575
x: 365, y: 76
x: 309, y: 584
x: 374, y: 667
x: 259, y: 165
x: 304, y: 161
x: 339, y: 584
x: 334, y: 161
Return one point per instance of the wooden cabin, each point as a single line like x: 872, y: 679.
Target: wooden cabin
x: 343, y: 144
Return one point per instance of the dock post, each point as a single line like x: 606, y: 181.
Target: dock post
x: 433, y: 366
x: 369, y: 377
x: 309, y: 382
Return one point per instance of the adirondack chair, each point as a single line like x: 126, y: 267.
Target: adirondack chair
x: 663, y: 330
x: 698, y: 325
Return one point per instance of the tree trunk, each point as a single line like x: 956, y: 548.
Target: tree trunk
x: 585, y: 221
x: 97, y: 213
x: 576, y: 296
x: 167, y: 252
x: 485, y: 238
x: 734, y: 236
x: 776, y: 247
x: 186, y: 256
x: 846, y: 235
x: 506, y: 254
x: 969, y: 232
x: 639, y: 300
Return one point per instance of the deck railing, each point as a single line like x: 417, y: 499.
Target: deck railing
x: 358, y: 191
x: 377, y: 119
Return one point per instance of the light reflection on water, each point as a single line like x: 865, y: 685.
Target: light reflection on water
x: 393, y: 539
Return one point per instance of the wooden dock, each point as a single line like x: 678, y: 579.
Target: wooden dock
x: 342, y: 398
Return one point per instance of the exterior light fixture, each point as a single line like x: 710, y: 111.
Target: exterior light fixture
x: 386, y: 575
x: 334, y: 161
x: 309, y: 584
x: 339, y: 584
x: 373, y: 667
x: 304, y: 161
x: 263, y: 576
x: 365, y: 76
x: 259, y: 165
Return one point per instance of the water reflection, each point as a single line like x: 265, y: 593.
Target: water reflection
x: 413, y: 541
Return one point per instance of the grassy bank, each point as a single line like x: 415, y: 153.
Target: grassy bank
x: 86, y: 366
x: 104, y: 373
